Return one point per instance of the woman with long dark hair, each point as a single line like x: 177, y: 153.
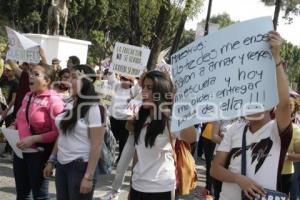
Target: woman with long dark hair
x: 81, y: 133
x: 154, y: 170
x: 37, y: 131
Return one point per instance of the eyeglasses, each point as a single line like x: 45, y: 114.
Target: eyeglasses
x: 35, y: 75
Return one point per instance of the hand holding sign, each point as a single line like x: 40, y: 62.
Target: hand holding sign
x: 129, y: 60
x: 224, y: 75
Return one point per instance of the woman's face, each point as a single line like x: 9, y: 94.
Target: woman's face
x: 76, y: 83
x: 65, y: 80
x: 292, y: 105
x: 37, y: 80
x: 147, y: 93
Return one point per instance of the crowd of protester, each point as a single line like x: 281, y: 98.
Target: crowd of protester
x: 62, y: 126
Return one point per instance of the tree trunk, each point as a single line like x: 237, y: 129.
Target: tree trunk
x: 276, y: 13
x: 180, y: 28
x: 160, y: 30
x: 206, y: 29
x: 134, y: 20
x: 298, y: 85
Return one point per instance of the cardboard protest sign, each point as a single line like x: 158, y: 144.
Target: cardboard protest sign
x: 105, y: 91
x: 224, y: 75
x: 106, y: 63
x: 21, y: 48
x: 163, y: 67
x: 133, y: 107
x: 129, y: 60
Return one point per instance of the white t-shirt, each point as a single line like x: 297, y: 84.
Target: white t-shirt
x: 77, y: 144
x: 155, y: 169
x: 118, y: 108
x: 265, y: 155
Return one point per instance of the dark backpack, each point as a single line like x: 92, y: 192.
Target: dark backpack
x: 108, y: 150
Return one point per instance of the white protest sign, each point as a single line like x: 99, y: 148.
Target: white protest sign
x: 12, y: 136
x: 163, y: 67
x: 105, y: 91
x: 133, y: 107
x: 21, y: 48
x: 129, y: 60
x: 297, y: 119
x: 106, y: 63
x: 224, y: 75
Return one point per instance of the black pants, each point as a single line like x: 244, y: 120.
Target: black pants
x: 120, y: 132
x: 136, y: 195
x: 68, y: 178
x: 29, y: 178
x: 286, y: 181
x: 208, y: 148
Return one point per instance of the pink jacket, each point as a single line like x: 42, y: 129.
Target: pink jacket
x: 42, y: 111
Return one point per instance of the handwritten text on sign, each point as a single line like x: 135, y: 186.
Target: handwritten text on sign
x: 129, y: 60
x: 21, y: 49
x: 224, y: 75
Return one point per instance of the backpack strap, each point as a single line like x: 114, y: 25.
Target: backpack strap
x: 27, y: 114
x: 244, y: 157
x: 103, y: 114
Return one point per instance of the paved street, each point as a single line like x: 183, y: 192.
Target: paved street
x: 7, y: 185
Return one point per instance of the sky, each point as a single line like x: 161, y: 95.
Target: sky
x: 241, y: 10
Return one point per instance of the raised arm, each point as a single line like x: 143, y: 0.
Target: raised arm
x: 283, y: 114
x: 189, y: 134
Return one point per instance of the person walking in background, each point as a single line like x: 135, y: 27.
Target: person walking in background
x: 81, y: 133
x: 8, y: 85
x: 125, y: 90
x: 293, y: 154
x: 73, y: 61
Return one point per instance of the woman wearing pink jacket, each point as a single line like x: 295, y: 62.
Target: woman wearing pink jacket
x: 37, y: 131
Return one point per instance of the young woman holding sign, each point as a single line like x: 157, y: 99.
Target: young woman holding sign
x: 153, y: 169
x: 266, y: 143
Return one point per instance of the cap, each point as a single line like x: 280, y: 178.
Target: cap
x: 55, y: 61
x: 8, y: 67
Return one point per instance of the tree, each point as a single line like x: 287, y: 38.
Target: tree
x: 222, y: 20
x: 291, y: 54
x: 134, y: 15
x: 290, y: 7
x: 160, y: 30
x: 190, y: 9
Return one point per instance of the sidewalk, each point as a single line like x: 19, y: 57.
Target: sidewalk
x: 7, y: 184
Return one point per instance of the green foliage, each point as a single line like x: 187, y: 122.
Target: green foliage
x: 222, y: 19
x: 291, y: 54
x: 290, y: 8
x: 103, y: 22
x: 188, y: 36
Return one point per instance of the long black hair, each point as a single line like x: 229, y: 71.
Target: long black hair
x: 83, y: 102
x: 163, y: 90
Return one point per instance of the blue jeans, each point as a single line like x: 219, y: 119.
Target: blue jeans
x: 295, y: 186
x: 68, y: 179
x: 29, y: 178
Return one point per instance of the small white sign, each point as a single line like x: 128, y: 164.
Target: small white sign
x: 129, y: 60
x: 21, y: 48
x: 12, y: 136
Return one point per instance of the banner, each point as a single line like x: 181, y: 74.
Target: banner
x: 227, y: 74
x: 105, y: 91
x: 133, y: 107
x: 21, y: 48
x: 129, y: 60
